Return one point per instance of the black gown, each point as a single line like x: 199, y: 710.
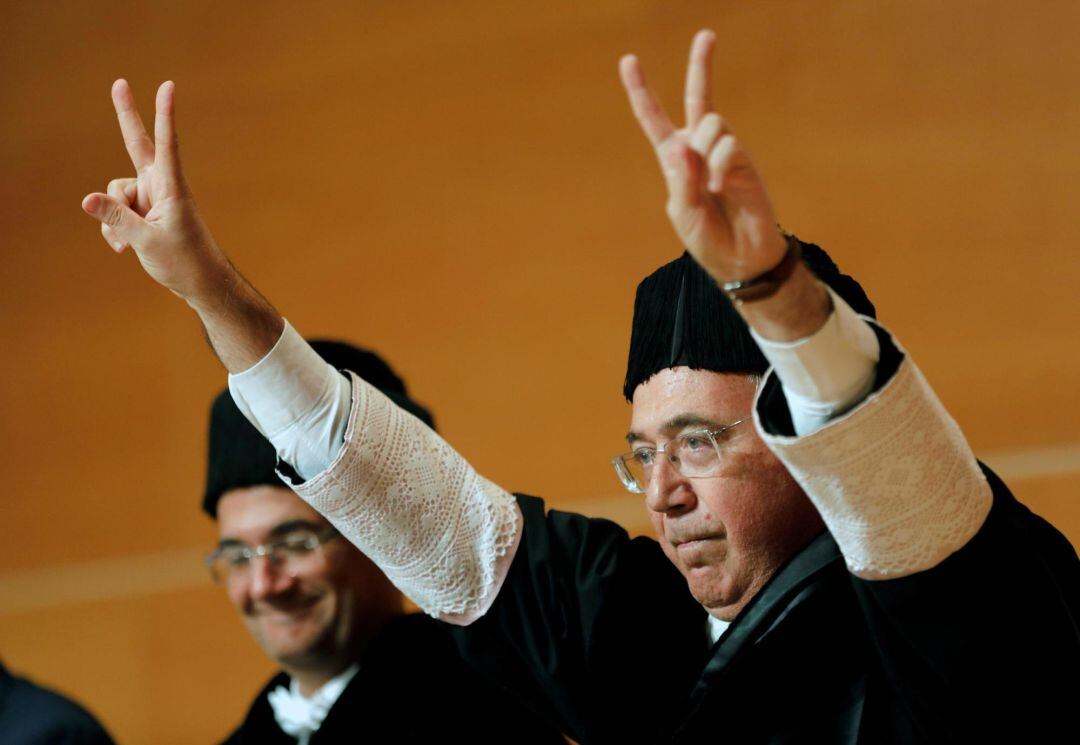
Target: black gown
x: 32, y: 715
x: 600, y: 632
x: 412, y: 687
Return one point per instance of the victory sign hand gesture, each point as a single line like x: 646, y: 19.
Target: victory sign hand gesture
x: 717, y: 201
x: 154, y: 212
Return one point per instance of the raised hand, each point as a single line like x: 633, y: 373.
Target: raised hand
x: 154, y: 211
x: 717, y: 201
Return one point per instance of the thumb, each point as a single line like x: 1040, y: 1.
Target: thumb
x: 122, y: 221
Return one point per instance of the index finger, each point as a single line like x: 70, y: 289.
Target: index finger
x: 699, y: 78
x: 647, y: 108
x: 140, y: 148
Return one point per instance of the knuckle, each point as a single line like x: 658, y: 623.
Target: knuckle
x: 113, y: 215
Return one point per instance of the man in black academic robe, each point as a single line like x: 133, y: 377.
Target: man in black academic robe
x: 923, y: 603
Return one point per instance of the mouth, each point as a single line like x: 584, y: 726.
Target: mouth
x: 689, y: 544
x: 287, y: 612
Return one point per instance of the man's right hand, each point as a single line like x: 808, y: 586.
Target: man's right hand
x: 154, y: 212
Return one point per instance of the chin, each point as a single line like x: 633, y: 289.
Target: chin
x: 285, y: 646
x: 710, y: 587
x: 293, y: 638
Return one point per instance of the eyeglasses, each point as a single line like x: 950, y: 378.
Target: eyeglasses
x: 694, y: 455
x: 292, y: 553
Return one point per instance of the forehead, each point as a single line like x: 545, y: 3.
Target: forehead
x: 680, y: 391
x: 250, y: 514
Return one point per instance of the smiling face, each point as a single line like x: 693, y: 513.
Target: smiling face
x: 728, y: 533
x: 316, y: 618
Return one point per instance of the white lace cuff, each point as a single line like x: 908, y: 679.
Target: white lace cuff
x: 444, y: 535
x: 894, y: 479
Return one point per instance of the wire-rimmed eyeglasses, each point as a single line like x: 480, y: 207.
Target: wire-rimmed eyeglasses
x: 292, y: 552
x: 694, y: 455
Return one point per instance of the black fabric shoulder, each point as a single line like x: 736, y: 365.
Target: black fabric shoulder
x: 413, y: 687
x: 989, y: 635
x: 31, y: 714
x: 259, y: 725
x: 579, y: 623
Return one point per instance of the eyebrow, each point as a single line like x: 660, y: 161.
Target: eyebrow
x: 290, y: 526
x: 277, y: 531
x: 680, y: 421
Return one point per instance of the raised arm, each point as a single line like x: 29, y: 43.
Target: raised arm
x: 444, y: 535
x: 896, y: 503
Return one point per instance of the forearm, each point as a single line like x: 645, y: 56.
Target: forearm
x: 297, y: 401
x: 828, y: 372
x: 442, y: 533
x: 893, y: 478
x: 240, y: 324
x: 888, y: 470
x: 798, y: 309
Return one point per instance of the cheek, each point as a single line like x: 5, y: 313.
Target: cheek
x: 657, y: 520
x: 750, y: 499
x: 239, y: 598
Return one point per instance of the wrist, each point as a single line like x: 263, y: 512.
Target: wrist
x: 799, y: 308
x: 241, y: 325
x: 215, y: 285
x: 768, y: 282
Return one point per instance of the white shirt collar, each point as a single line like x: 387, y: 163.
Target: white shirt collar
x: 715, y: 629
x: 300, y: 716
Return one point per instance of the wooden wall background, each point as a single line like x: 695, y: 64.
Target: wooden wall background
x: 461, y: 186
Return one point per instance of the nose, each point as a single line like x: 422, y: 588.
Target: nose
x: 668, y: 490
x: 268, y: 578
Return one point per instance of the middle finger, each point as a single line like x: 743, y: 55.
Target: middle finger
x: 698, y: 97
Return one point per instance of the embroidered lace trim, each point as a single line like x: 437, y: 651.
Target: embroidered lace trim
x: 414, y: 506
x: 894, y: 479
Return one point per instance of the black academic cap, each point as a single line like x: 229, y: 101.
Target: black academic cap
x: 239, y: 456
x: 682, y: 318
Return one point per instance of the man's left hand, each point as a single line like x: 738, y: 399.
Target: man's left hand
x: 717, y: 201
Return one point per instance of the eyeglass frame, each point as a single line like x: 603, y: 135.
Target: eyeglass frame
x: 315, y: 540
x: 626, y: 478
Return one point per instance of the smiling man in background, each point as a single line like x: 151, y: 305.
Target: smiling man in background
x: 355, y: 666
